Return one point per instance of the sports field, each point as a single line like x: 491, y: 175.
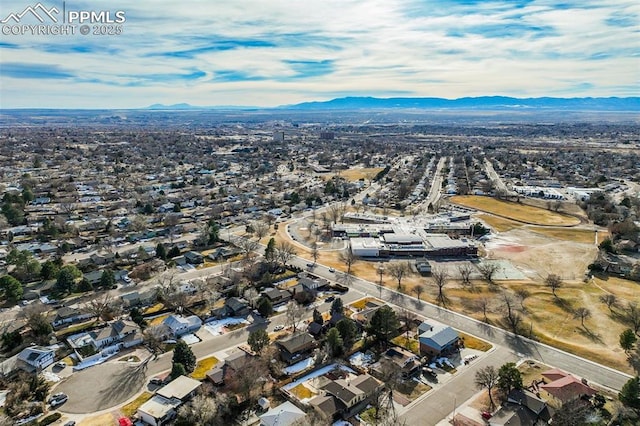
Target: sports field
x: 515, y: 211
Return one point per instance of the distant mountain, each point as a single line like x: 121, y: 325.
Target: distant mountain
x: 189, y: 107
x: 478, y: 103
x: 172, y: 107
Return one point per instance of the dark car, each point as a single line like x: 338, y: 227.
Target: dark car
x: 156, y: 381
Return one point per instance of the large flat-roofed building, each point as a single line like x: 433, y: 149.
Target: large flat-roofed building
x: 427, y: 245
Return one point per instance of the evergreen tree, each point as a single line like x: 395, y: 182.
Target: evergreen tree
x: 161, y: 252
x: 384, y: 324
x: 66, y: 281
x: 177, y: 370
x: 630, y: 393
x: 509, y: 377
x: 182, y: 354
x: 335, y: 344
x: 11, y: 288
x: 264, y: 307
x: 348, y: 331
x: 258, y: 339
x: 317, y: 317
x: 108, y: 279
x: 174, y: 252
x: 627, y: 340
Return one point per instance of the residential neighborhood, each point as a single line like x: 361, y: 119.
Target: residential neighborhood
x: 281, y: 274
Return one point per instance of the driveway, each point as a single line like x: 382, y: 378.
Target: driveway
x: 101, y: 387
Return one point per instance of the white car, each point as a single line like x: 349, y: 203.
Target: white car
x: 332, y: 270
x: 278, y: 327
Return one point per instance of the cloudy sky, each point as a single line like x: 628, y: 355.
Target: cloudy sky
x: 275, y: 52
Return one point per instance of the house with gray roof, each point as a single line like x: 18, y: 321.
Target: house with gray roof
x: 35, y: 358
x: 437, y: 339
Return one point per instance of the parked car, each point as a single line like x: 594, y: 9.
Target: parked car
x: 70, y: 423
x: 58, y: 399
x: 332, y: 270
x: 156, y: 381
x: 329, y: 299
x: 278, y: 327
x: 61, y: 364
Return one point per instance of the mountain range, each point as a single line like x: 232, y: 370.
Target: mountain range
x: 468, y: 103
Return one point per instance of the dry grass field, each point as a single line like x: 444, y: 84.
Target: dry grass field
x: 519, y: 212
x: 497, y: 223
x: 583, y: 236
x: 355, y: 174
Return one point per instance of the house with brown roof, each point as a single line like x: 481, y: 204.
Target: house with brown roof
x: 296, y: 348
x: 344, y: 397
x: 564, y: 387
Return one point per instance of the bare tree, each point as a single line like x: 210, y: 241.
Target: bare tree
x: 247, y: 246
x: 348, y: 258
x: 465, y: 271
x: 139, y: 223
x: 153, y: 337
x: 284, y: 252
x: 336, y: 210
x: 554, y: 282
x: 483, y: 304
x: 380, y: 275
x: 315, y: 252
x: 487, y: 378
x: 582, y: 314
x: 100, y: 306
x: 171, y: 221
x: 407, y: 317
x: 294, y: 314
x: 610, y: 300
x: 632, y: 316
x: 522, y: 294
x: 440, y: 277
x: 204, y: 410
x: 398, y: 270
x: 260, y: 229
x: 488, y: 270
x: 418, y: 290
x: 512, y: 316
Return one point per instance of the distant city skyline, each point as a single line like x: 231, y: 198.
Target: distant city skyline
x: 277, y: 52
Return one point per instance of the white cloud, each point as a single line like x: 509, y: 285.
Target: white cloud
x: 237, y: 52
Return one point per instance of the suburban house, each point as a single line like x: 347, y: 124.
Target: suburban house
x: 194, y: 258
x: 179, y: 325
x: 35, y: 358
x: 68, y: 315
x: 437, y: 339
x: 276, y: 295
x: 522, y: 408
x: 93, y: 277
x: 134, y: 298
x: 223, y: 370
x: 284, y: 414
x: 162, y: 407
x: 343, y: 397
x: 407, y: 361
x: 296, y: 347
x: 121, y: 332
x: 564, y: 387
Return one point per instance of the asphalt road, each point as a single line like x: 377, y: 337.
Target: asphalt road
x: 438, y: 404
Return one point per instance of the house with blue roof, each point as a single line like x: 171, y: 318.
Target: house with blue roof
x: 437, y: 339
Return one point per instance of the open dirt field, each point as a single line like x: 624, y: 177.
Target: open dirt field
x: 515, y: 211
x: 538, y: 255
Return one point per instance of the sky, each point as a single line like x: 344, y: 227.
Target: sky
x: 280, y: 52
